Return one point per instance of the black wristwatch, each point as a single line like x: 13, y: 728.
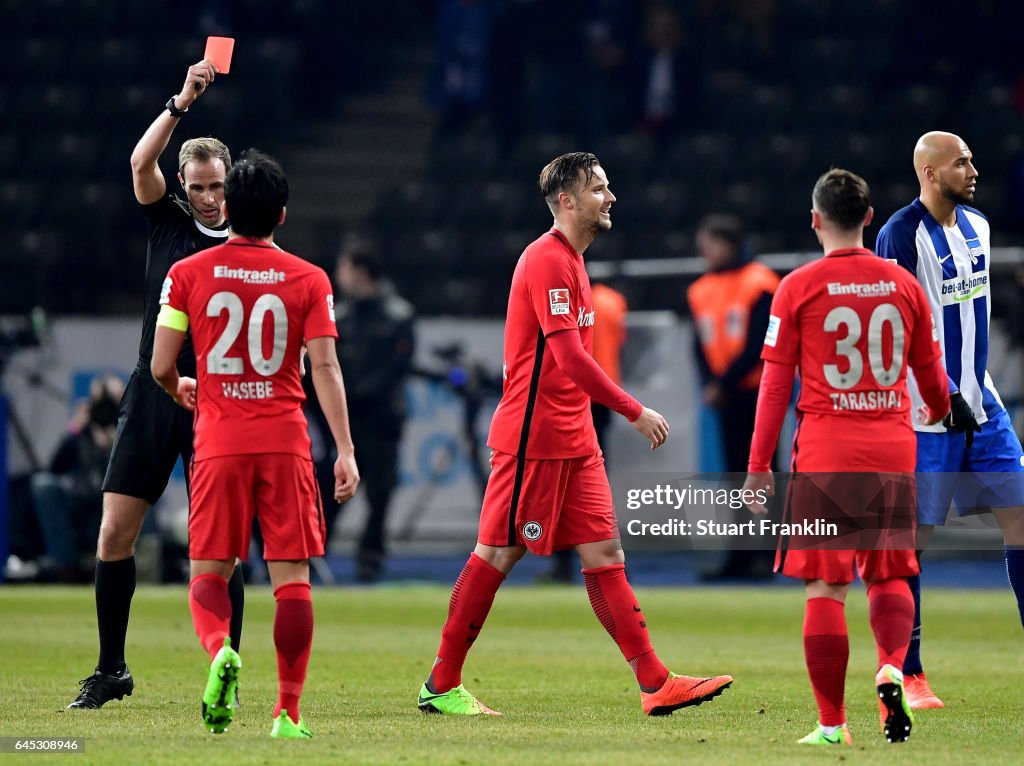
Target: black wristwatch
x: 175, y: 111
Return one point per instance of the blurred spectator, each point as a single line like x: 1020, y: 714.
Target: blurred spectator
x: 101, y: 387
x: 25, y: 538
x: 602, y: 101
x: 459, y: 87
x: 68, y: 498
x: 20, y: 461
x: 758, y: 34
x: 26, y: 543
x: 667, y: 76
x: 512, y: 50
x: 730, y: 306
x: 375, y: 347
x: 609, y: 337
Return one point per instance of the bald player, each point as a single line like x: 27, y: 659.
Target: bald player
x: 973, y: 457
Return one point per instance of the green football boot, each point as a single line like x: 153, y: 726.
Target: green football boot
x: 455, y: 701
x: 285, y: 728
x: 894, y: 712
x: 840, y: 736
x: 221, y: 685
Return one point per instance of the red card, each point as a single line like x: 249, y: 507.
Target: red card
x: 218, y: 52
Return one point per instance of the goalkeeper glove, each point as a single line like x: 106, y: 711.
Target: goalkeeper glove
x: 961, y: 419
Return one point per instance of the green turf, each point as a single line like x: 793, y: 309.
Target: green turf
x: 543, y: 660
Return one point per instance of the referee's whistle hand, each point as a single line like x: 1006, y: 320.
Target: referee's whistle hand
x: 653, y: 427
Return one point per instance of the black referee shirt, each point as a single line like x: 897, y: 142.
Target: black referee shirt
x: 173, y: 235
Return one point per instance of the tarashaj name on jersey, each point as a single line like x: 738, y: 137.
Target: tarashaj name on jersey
x: 252, y: 389
x: 866, y: 400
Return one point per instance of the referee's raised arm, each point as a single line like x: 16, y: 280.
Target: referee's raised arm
x: 147, y: 180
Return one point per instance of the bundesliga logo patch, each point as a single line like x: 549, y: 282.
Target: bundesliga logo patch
x: 771, y: 337
x: 559, y: 300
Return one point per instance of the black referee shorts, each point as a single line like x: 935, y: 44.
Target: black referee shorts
x: 152, y: 432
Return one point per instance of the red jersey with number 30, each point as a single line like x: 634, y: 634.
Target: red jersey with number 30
x: 251, y: 307
x: 542, y: 414
x: 851, y: 322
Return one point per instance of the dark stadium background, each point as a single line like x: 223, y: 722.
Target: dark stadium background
x: 347, y: 94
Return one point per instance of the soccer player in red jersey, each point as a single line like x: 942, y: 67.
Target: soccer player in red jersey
x: 548, y: 487
x: 851, y: 323
x: 152, y: 433
x: 251, y: 307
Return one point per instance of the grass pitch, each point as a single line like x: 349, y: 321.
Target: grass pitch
x: 543, y: 660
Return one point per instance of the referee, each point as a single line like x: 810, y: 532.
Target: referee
x: 152, y: 431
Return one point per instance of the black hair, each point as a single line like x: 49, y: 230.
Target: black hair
x: 256, y: 191
x: 842, y: 197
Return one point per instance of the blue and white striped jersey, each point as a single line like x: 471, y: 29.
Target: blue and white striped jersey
x: 952, y: 265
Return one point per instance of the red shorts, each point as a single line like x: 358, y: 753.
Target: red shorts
x: 547, y: 505
x: 874, y: 517
x: 279, y: 488
x: 836, y: 567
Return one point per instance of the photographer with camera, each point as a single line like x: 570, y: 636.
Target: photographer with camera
x: 68, y: 498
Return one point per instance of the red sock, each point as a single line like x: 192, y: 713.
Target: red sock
x: 891, y: 607
x: 210, y: 605
x: 827, y: 650
x: 471, y: 600
x: 616, y: 607
x: 293, y: 637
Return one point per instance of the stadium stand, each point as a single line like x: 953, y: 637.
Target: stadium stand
x: 782, y: 91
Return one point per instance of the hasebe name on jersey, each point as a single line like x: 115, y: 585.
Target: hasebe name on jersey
x: 866, y: 400
x: 251, y: 389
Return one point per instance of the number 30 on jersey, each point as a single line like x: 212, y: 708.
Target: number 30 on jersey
x: 845, y: 318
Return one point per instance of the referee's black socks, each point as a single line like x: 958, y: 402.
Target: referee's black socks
x: 115, y: 586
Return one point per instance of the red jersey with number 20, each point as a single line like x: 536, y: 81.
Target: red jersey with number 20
x: 251, y: 307
x: 851, y: 322
x: 542, y: 414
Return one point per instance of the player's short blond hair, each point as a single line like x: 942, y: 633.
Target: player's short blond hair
x: 203, y: 150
